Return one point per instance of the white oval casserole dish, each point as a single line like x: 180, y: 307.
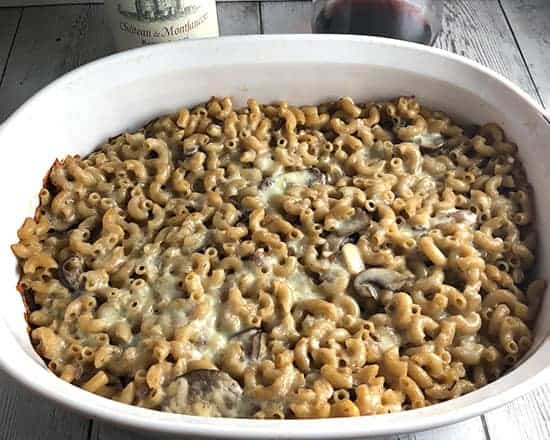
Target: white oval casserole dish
x: 124, y: 91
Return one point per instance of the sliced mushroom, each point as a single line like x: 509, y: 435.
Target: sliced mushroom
x: 345, y: 232
x: 430, y: 141
x: 70, y: 272
x: 210, y: 393
x: 254, y: 343
x: 319, y: 176
x: 367, y: 290
x: 266, y: 183
x: 369, y: 282
x: 334, y: 243
x: 258, y: 348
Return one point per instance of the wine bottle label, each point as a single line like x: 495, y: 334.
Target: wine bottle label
x: 141, y: 22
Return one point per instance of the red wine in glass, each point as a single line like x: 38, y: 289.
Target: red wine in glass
x: 416, y: 21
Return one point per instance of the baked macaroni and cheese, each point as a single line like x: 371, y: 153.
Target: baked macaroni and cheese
x: 285, y: 262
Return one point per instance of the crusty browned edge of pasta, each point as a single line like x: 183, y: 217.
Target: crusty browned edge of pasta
x: 26, y: 297
x: 28, y: 301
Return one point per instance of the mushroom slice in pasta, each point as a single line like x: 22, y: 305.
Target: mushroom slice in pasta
x: 345, y: 232
x: 71, y: 271
x: 254, y: 342
x: 203, y: 392
x: 369, y: 282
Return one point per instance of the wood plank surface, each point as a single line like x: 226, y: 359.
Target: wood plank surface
x: 468, y: 430
x: 25, y: 416
x: 478, y: 30
x: 9, y: 19
x: 17, y: 3
x: 50, y: 42
x: 104, y: 431
x: 11, y: 3
x: 530, y: 22
x: 527, y: 418
x: 239, y: 18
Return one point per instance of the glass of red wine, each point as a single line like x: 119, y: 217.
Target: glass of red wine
x: 418, y: 21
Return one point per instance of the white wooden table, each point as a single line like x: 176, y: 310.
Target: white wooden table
x: 42, y: 39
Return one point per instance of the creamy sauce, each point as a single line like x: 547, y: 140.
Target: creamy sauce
x: 279, y: 183
x: 302, y: 287
x: 178, y: 301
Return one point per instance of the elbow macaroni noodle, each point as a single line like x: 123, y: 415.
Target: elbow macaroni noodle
x: 285, y: 262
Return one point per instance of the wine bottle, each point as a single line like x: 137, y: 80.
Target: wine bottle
x: 137, y: 23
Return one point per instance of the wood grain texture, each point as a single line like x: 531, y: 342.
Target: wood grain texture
x: 468, y: 430
x: 478, y: 30
x: 530, y: 22
x: 104, y: 431
x: 54, y: 40
x: 25, y: 416
x: 17, y: 3
x: 12, y: 3
x: 9, y: 19
x: 527, y: 418
x: 286, y: 18
x: 239, y: 18
x: 50, y: 42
